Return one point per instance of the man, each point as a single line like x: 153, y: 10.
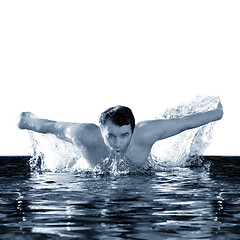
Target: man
x: 117, y: 133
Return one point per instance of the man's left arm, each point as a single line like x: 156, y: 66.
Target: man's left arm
x: 152, y: 131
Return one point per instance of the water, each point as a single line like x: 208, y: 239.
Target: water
x: 173, y: 203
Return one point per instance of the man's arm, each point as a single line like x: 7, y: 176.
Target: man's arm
x: 76, y: 133
x: 155, y: 130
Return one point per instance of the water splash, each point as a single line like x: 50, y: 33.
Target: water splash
x: 51, y: 153
x: 187, y: 147
x: 117, y: 165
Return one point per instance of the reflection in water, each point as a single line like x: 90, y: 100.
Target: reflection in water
x: 225, y: 172
x: 174, y: 203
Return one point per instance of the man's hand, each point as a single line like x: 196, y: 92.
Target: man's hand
x: 220, y: 107
x: 23, y: 119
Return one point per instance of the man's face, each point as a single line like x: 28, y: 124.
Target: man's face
x: 115, y: 137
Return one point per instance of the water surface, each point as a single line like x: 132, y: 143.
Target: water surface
x: 172, y: 203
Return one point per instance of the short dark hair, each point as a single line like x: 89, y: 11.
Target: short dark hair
x: 119, y: 115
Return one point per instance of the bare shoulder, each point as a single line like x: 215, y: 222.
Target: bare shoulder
x: 143, y: 133
x: 86, y: 133
x: 140, y: 146
x: 148, y: 132
x: 146, y: 129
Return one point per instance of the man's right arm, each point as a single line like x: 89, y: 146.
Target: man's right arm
x: 76, y: 133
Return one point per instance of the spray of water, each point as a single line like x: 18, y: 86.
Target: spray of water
x: 187, y: 147
x: 51, y: 153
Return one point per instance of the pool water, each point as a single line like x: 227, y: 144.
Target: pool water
x: 171, y: 203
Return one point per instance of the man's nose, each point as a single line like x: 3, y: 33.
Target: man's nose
x: 117, y: 143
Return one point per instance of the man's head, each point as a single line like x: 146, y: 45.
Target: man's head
x: 117, y: 125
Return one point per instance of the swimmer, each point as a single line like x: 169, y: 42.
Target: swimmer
x: 117, y: 133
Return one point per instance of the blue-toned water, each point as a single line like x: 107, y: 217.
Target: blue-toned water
x: 171, y: 203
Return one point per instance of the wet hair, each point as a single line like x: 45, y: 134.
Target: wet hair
x: 119, y: 115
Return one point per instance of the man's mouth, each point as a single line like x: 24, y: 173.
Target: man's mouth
x: 117, y: 151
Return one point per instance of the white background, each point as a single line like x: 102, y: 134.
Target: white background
x: 70, y: 60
